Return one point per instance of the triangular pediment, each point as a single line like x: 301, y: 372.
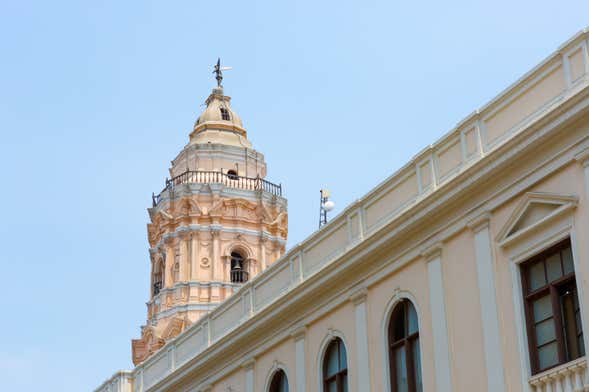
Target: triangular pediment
x: 534, y: 210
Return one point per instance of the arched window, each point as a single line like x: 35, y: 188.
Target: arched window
x: 232, y: 175
x: 238, y: 273
x: 225, y: 114
x: 158, y: 276
x: 279, y: 382
x: 404, y: 354
x: 335, y: 367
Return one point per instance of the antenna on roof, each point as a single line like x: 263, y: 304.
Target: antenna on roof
x: 325, y: 205
x: 218, y: 70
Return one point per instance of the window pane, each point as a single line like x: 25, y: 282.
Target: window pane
x: 548, y: 355
x: 398, y: 323
x: 570, y: 322
x: 401, y: 370
x: 417, y: 365
x: 332, y: 387
x: 581, y: 345
x: 542, y: 308
x: 536, y: 276
x: 413, y: 327
x: 331, y: 360
x: 567, y: 261
x: 343, y: 360
x: 279, y: 382
x: 545, y: 332
x: 553, y: 267
x: 345, y: 383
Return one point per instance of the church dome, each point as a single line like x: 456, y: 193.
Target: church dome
x: 219, y: 123
x: 218, y: 111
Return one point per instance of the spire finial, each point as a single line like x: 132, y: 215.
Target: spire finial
x: 219, y: 72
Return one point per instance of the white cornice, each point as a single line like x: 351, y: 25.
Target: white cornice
x: 219, y: 228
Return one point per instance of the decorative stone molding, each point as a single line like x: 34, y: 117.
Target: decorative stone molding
x: 299, y: 332
x: 583, y: 157
x: 248, y: 364
x: 433, y: 251
x: 554, y: 205
x: 569, y: 377
x: 206, y: 388
x: 480, y: 222
x: 359, y: 296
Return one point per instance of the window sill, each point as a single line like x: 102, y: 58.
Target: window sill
x: 568, y: 377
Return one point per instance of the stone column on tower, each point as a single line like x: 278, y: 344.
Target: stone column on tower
x: 216, y: 224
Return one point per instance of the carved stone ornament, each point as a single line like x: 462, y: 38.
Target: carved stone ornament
x: 205, y: 263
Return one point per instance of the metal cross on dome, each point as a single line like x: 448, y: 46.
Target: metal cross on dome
x: 219, y: 72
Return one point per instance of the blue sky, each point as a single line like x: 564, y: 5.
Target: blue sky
x: 97, y: 97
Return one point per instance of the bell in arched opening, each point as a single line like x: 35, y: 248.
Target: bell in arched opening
x: 238, y: 272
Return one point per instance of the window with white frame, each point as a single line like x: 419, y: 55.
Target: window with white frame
x: 335, y: 368
x: 404, y: 353
x: 553, y: 314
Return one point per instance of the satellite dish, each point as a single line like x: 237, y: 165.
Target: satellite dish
x: 329, y: 205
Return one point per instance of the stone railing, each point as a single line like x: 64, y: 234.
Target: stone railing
x: 120, y: 382
x: 570, y: 377
x: 551, y: 84
x: 216, y: 177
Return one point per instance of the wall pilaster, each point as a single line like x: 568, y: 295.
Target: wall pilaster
x: 583, y: 159
x: 184, y: 272
x: 194, y: 261
x: 299, y: 340
x: 433, y: 256
x: 263, y: 242
x: 249, y: 375
x: 216, y: 266
x: 362, y: 356
x: 488, y: 301
x: 169, y: 264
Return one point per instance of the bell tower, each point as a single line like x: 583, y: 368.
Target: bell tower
x: 216, y: 224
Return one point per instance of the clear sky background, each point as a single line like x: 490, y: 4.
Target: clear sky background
x: 96, y: 98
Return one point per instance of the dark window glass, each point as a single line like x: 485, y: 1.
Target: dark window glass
x: 335, y: 368
x: 158, y: 277
x: 404, y: 353
x: 225, y: 114
x: 232, y: 174
x: 553, y: 315
x: 279, y: 382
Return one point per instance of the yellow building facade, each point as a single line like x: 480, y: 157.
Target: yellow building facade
x: 465, y: 270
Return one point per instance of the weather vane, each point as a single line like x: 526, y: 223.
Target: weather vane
x: 219, y: 72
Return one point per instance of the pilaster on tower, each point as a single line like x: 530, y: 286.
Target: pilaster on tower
x: 217, y: 223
